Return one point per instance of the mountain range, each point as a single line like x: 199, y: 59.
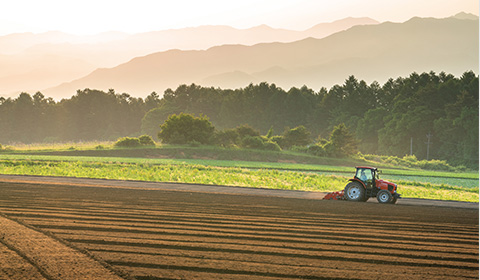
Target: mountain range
x: 31, y: 62
x: 318, y: 57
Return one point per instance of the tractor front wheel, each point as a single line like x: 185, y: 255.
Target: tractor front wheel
x: 385, y: 196
x: 355, y: 192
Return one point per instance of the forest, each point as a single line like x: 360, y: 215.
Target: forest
x: 427, y: 114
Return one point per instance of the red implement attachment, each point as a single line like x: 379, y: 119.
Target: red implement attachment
x: 334, y: 196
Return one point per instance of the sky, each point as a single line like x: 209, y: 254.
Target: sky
x: 88, y: 17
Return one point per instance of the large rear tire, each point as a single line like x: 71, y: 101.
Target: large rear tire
x: 384, y: 196
x: 355, y: 192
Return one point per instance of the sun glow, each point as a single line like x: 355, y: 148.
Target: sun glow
x: 96, y: 16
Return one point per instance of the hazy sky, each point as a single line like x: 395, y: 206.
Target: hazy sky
x: 95, y: 16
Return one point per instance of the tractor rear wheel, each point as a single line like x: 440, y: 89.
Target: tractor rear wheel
x: 355, y: 192
x: 384, y: 196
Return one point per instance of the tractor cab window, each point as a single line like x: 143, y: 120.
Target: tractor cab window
x: 365, y: 175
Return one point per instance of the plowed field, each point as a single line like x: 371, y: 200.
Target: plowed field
x: 159, y: 234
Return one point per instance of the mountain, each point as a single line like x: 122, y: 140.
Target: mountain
x: 325, y: 29
x: 370, y: 52
x: 200, y: 38
x: 191, y: 38
x: 23, y: 56
x: 463, y: 15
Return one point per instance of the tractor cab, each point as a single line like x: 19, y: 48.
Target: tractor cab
x: 366, y: 175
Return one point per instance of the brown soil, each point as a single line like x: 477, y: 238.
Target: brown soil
x: 168, y: 234
x: 13, y: 266
x: 45, y: 257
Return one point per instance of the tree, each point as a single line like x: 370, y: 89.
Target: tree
x: 185, y: 128
x: 298, y: 136
x: 367, y: 130
x: 343, y: 141
x: 152, y: 101
x: 155, y: 117
x: 226, y: 138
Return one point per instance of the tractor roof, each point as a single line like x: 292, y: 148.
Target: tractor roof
x: 366, y: 167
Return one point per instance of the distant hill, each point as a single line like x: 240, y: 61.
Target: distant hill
x: 463, y: 15
x: 370, y: 52
x: 24, y: 56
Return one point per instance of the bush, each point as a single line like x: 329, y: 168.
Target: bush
x: 412, y: 161
x: 317, y: 150
x: 146, y: 140
x: 226, y: 138
x: 439, y: 165
x: 252, y: 142
x: 185, y: 128
x: 128, y: 142
x: 246, y: 130
x: 461, y: 168
x: 298, y: 136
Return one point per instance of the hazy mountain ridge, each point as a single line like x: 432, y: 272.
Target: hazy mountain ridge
x: 187, y: 37
x: 20, y: 53
x: 370, y: 52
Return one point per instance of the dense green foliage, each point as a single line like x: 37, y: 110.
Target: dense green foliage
x: 383, y: 119
x: 131, y: 142
x: 88, y: 115
x: 298, y: 136
x: 245, y: 136
x: 186, y: 128
x: 128, y: 142
x: 146, y: 140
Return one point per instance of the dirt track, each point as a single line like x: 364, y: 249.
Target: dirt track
x: 179, y: 234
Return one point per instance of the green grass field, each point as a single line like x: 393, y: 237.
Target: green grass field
x: 291, y: 171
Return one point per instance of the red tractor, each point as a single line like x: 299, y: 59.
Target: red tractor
x: 366, y: 184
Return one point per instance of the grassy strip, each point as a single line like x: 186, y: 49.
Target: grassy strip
x: 189, y: 152
x: 185, y: 173
x: 242, y: 164
x: 435, y: 191
x: 230, y: 176
x: 67, y: 146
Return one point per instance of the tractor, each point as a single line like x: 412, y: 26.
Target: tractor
x: 366, y: 184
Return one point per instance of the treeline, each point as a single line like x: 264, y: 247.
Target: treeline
x: 385, y: 119
x: 392, y: 119
x: 88, y: 115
